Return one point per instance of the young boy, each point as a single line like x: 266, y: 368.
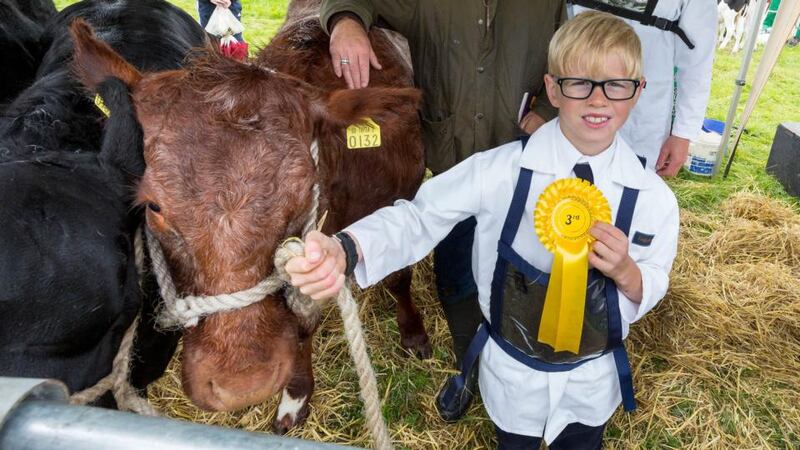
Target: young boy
x: 530, y: 390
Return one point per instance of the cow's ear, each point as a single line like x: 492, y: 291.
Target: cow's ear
x: 123, y: 139
x: 95, y: 60
x: 347, y: 106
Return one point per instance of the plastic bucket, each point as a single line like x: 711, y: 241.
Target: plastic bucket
x: 713, y: 126
x: 703, y: 149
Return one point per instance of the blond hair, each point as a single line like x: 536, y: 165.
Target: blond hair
x: 586, y: 42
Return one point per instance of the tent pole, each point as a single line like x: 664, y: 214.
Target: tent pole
x: 753, y: 29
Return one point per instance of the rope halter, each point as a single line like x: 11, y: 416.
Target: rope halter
x: 177, y: 312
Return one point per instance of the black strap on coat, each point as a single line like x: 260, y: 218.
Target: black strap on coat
x: 645, y: 18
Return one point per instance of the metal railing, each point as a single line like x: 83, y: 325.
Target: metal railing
x: 35, y: 415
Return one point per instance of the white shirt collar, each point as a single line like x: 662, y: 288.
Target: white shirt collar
x: 549, y: 151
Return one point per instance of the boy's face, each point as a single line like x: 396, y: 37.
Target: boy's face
x: 591, y: 124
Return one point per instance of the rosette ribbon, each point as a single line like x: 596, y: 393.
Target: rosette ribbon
x: 565, y: 211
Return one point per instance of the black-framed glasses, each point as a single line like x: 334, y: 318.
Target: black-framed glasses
x: 614, y: 89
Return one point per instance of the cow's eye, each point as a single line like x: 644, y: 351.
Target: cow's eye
x: 154, y: 207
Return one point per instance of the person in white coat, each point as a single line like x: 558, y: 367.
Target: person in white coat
x: 530, y: 389
x: 678, y: 48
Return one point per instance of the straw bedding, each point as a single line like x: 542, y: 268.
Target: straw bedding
x: 716, y: 364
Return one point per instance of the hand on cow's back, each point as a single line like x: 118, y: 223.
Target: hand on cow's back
x: 352, y: 53
x: 319, y: 273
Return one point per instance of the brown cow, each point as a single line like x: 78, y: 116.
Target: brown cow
x: 229, y: 177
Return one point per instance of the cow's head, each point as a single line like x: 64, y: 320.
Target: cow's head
x: 228, y: 178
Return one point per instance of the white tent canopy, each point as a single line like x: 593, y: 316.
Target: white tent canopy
x: 785, y: 19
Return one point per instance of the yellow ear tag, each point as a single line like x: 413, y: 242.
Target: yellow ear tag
x: 101, y: 105
x: 364, y: 135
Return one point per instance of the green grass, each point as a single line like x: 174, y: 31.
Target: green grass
x: 777, y: 104
x: 261, y: 18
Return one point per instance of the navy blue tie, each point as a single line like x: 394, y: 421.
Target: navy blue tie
x: 584, y: 172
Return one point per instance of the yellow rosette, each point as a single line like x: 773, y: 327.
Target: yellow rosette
x: 564, y: 213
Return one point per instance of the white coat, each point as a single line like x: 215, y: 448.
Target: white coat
x: 519, y: 399
x: 649, y: 123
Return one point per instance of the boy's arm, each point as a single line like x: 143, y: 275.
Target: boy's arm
x: 642, y: 280
x: 392, y: 237
x: 397, y: 236
x: 655, y: 262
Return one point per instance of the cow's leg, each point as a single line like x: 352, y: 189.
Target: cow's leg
x: 728, y: 18
x: 721, y: 23
x: 739, y: 33
x: 412, y: 331
x: 293, y: 409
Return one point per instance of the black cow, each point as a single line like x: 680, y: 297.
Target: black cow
x: 21, y: 26
x: 68, y: 283
x: 40, y: 11
x: 736, y: 5
x: 55, y: 113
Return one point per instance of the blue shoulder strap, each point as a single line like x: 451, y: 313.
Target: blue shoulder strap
x: 627, y: 204
x: 509, y: 232
x: 623, y: 221
x: 517, y: 208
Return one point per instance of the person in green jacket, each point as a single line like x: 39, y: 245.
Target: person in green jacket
x: 480, y: 65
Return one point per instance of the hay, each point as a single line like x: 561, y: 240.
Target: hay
x: 716, y: 363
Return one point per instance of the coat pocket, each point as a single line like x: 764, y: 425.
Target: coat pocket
x: 439, y: 139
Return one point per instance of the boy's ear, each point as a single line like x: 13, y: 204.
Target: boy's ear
x: 639, y: 90
x: 552, y: 90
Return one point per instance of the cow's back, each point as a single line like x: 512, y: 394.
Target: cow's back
x: 355, y: 182
x: 20, y: 49
x: 40, y: 11
x: 152, y: 35
x: 55, y: 113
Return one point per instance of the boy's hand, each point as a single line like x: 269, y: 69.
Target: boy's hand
x: 320, y: 272
x: 610, y: 255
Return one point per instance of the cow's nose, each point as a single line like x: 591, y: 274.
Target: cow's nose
x: 249, y: 389
x: 229, y: 392
x: 240, y: 358
x: 207, y: 399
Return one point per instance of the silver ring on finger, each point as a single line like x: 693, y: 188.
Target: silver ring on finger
x: 344, y: 61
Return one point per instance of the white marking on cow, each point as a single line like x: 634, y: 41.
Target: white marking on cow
x: 733, y: 24
x: 290, y: 406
